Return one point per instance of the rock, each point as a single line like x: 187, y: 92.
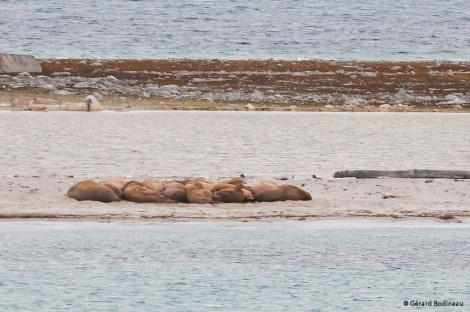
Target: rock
x: 62, y: 92
x: 349, y: 108
x: 355, y: 102
x: 112, y: 78
x: 58, y: 74
x: 329, y: 107
x: 16, y: 63
x: 369, y: 74
x: 403, y: 96
x: 293, y: 108
x: 24, y: 74
x: 385, y: 107
x: 169, y: 88
x: 250, y: 107
x: 81, y: 85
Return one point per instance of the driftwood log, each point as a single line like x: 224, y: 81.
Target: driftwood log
x: 414, y: 173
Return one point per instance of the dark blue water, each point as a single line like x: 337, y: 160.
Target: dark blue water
x: 285, y: 266
x: 238, y: 29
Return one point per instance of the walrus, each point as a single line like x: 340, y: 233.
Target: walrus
x: 199, y: 192
x: 153, y: 184
x: 227, y: 193
x: 175, y: 190
x: 242, y: 184
x: 260, y: 186
x: 189, y: 180
x: 267, y: 191
x: 116, y: 185
x: 92, y: 190
x: 230, y: 193
x: 135, y: 191
x: 235, y: 181
x: 248, y: 197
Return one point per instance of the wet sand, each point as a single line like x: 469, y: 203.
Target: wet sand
x: 443, y: 200
x: 303, y: 85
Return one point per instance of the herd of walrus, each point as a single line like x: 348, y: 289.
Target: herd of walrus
x: 198, y: 190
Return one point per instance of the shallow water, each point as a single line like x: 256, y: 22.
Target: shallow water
x: 315, y: 266
x: 221, y: 144
x: 242, y: 29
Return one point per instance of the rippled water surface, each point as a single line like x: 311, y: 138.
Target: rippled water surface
x: 227, y: 29
x: 62, y: 266
x: 220, y: 144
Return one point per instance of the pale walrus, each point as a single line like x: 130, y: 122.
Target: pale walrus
x: 92, y: 190
x: 136, y: 192
x: 267, y: 191
x: 116, y: 185
x: 153, y: 184
x: 175, y: 190
x: 230, y: 193
x: 247, y: 196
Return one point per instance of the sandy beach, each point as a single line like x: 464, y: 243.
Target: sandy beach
x: 445, y: 200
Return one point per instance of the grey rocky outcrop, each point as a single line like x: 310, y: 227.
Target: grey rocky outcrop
x: 18, y: 63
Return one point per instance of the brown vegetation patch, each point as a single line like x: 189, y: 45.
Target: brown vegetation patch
x: 354, y: 78
x: 310, y: 85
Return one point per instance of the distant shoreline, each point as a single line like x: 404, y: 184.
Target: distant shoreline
x: 259, y: 85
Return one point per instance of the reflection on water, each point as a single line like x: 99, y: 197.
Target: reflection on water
x: 53, y: 266
x: 169, y: 143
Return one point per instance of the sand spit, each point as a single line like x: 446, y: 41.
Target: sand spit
x: 445, y: 200
x: 304, y: 85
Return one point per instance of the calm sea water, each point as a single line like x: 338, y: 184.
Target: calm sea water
x: 317, y: 266
x: 238, y: 29
x: 221, y: 144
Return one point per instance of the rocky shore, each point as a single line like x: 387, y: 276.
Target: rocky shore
x: 301, y: 85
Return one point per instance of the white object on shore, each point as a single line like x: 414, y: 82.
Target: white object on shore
x: 91, y: 104
x: 250, y: 107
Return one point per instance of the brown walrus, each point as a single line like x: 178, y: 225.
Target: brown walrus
x: 235, y: 181
x: 199, y: 192
x: 189, y: 180
x: 248, y: 197
x: 175, y: 190
x: 230, y: 193
x: 268, y: 191
x: 135, y: 191
x: 116, y: 185
x: 92, y: 190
